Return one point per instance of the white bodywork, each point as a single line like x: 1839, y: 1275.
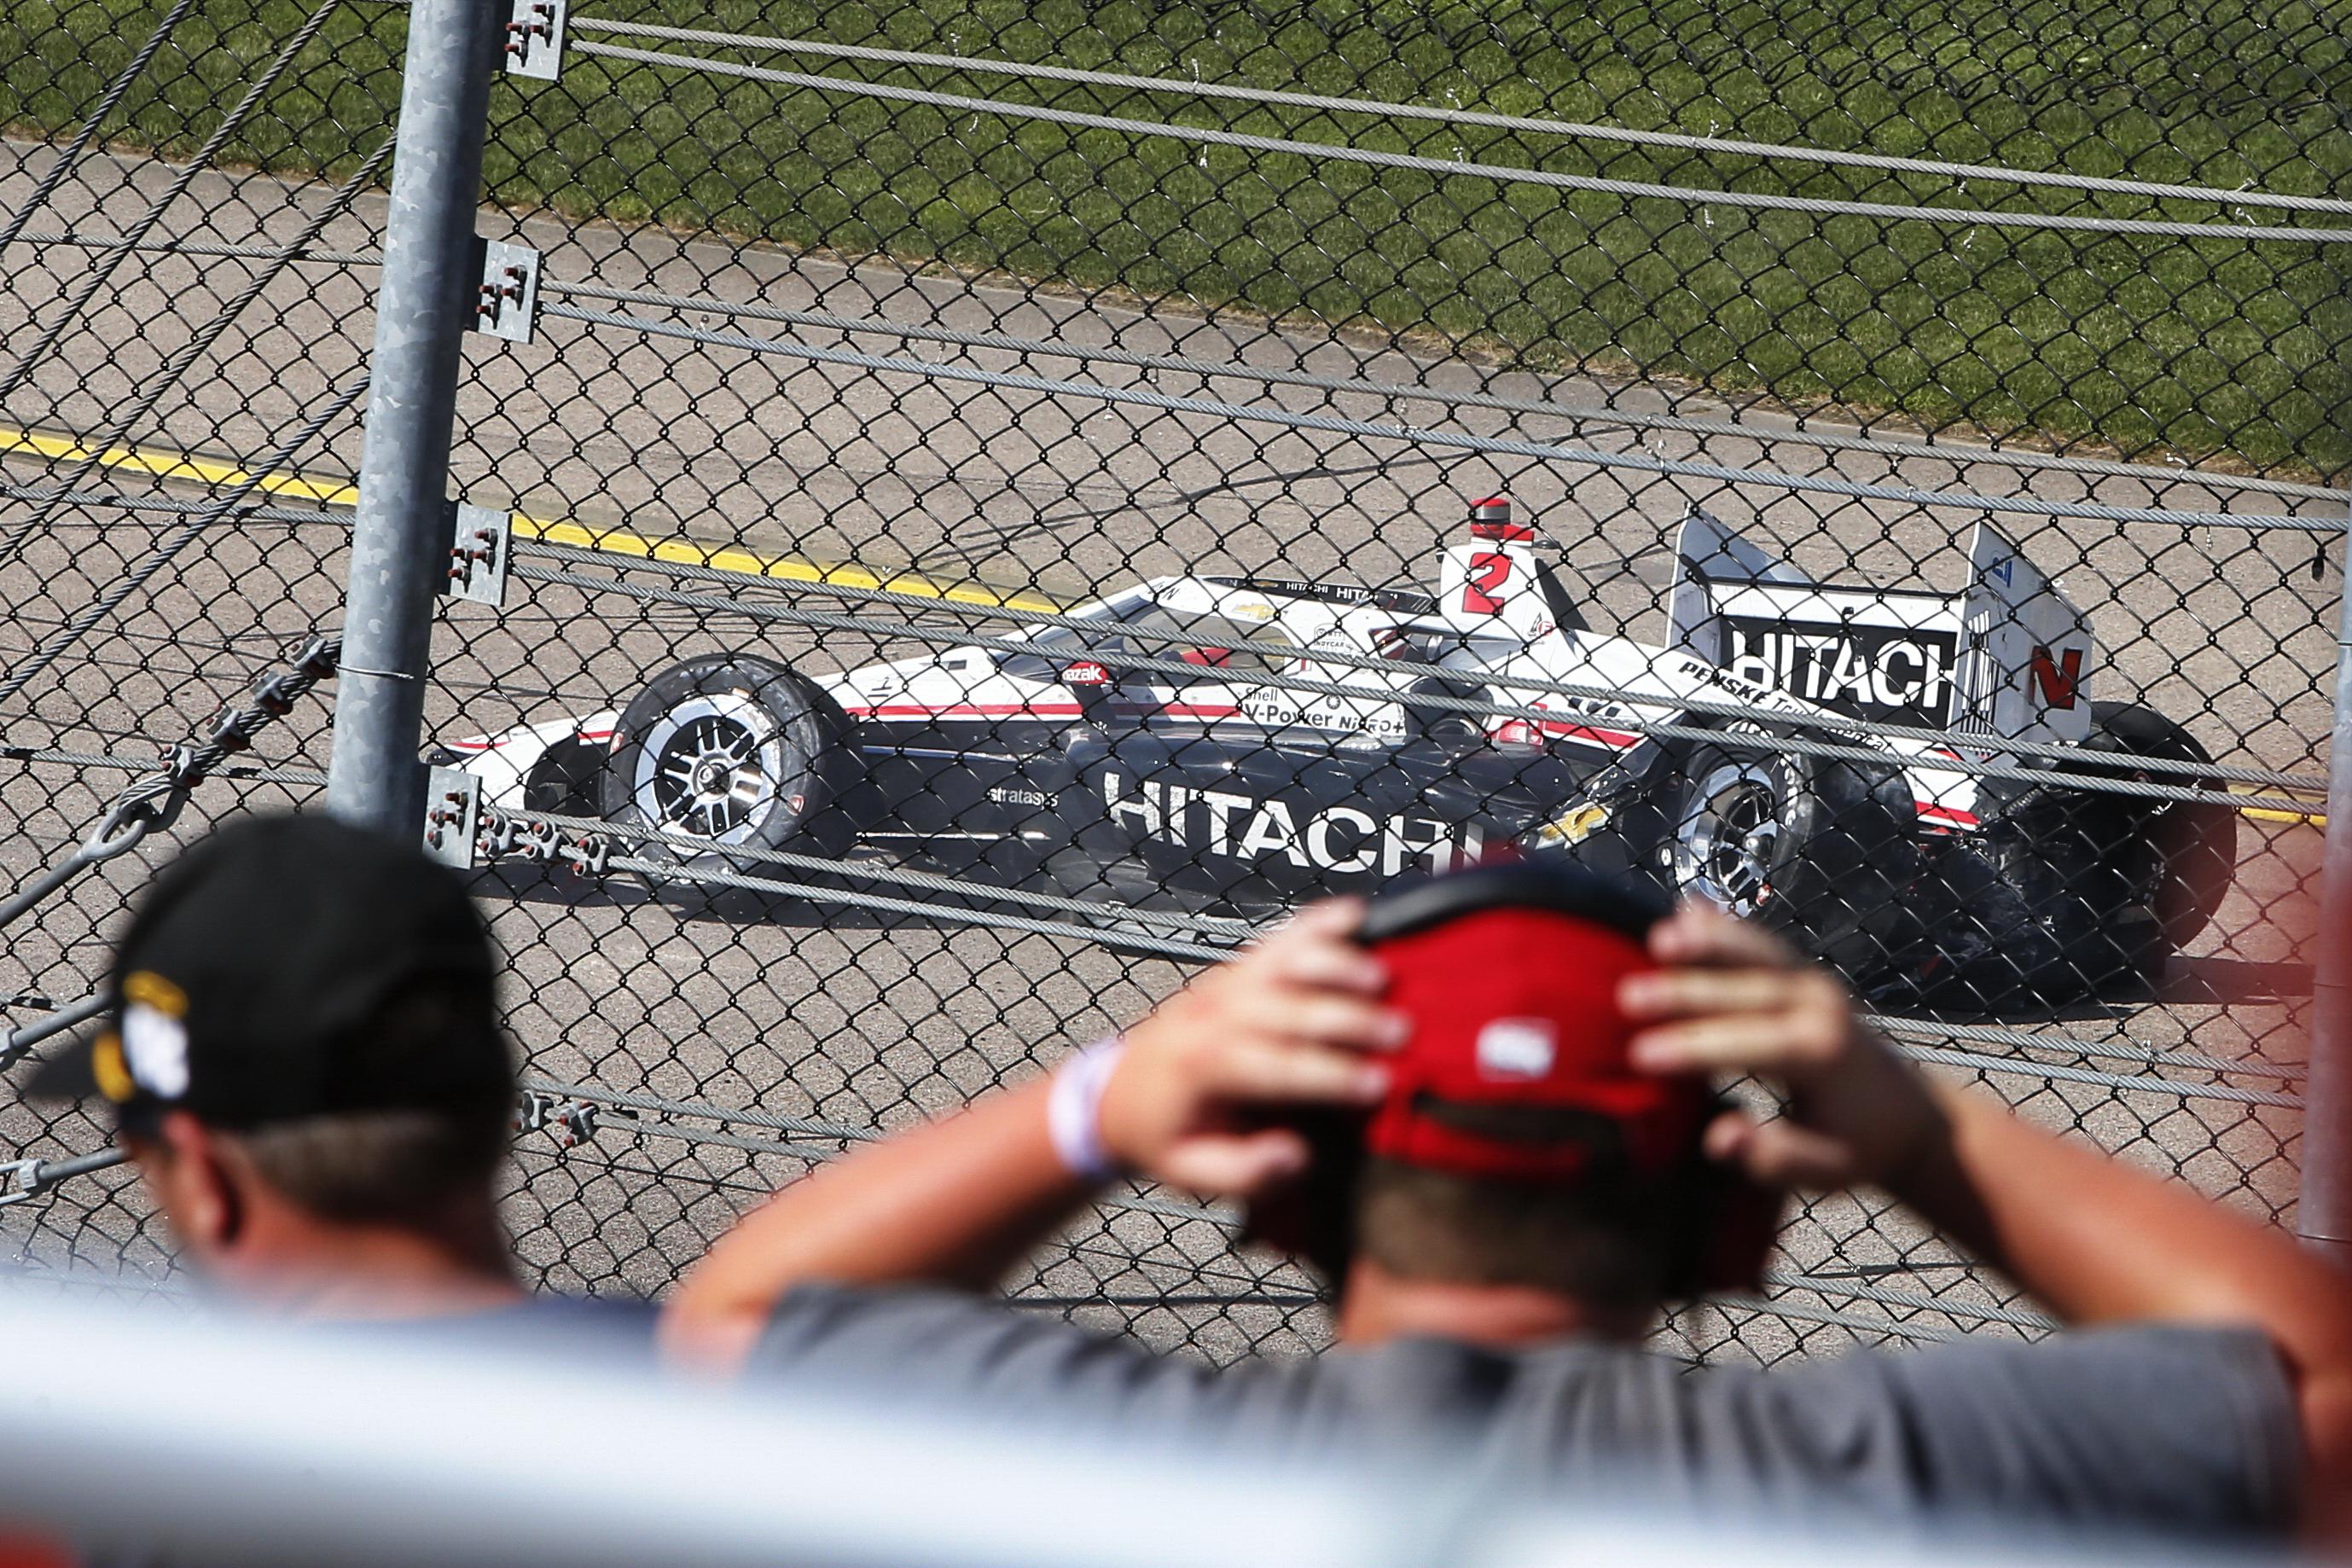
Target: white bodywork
x: 2010, y: 657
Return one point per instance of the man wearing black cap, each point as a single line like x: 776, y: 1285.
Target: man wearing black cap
x: 304, y: 1060
x: 1532, y: 1163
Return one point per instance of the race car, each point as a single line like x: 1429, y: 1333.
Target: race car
x: 1798, y: 753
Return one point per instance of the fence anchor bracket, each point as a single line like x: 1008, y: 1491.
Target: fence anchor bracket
x: 508, y: 306
x: 534, y: 38
x: 479, y: 548
x: 452, y: 808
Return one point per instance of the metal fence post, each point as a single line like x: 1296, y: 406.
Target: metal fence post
x: 2324, y: 1205
x: 423, y: 310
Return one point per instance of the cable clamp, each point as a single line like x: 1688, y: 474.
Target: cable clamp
x: 534, y: 38
x: 506, y: 302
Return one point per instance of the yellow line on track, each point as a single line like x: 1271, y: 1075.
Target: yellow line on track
x: 169, y: 465
x: 2263, y: 814
x: 330, y: 492
x: 176, y: 466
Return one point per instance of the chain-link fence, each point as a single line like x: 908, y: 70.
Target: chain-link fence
x: 982, y: 506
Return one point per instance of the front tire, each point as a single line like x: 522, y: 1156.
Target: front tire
x: 734, y: 752
x: 1823, y: 850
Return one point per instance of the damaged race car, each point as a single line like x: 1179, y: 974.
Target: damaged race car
x: 1235, y: 745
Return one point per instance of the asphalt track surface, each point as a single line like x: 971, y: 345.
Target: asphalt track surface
x: 858, y: 1019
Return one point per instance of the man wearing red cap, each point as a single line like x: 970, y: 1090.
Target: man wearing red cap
x: 1487, y: 1117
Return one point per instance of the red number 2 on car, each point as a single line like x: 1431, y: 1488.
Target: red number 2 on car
x: 1482, y: 596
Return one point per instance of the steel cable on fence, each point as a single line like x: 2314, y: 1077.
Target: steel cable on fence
x: 690, y: 571
x: 2059, y: 1073
x: 128, y: 762
x: 147, y: 805
x: 1225, y: 930
x: 1214, y: 926
x: 1389, y: 110
x: 1830, y: 1317
x: 70, y: 159
x: 184, y: 175
x: 2023, y: 1039
x: 1794, y: 746
x: 1236, y: 931
x: 211, y: 250
x: 163, y: 556
x: 1220, y: 929
x: 1420, y: 435
x: 261, y: 512
x: 1398, y: 392
x: 1158, y: 947
x: 23, y: 1180
x: 199, y: 343
x: 554, y: 1090
x: 554, y: 1094
x: 695, y: 572
x: 1503, y: 173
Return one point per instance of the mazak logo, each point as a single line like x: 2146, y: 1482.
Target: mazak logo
x: 1339, y: 839
x: 1879, y: 674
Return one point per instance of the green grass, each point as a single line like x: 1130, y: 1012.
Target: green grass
x: 2219, y: 347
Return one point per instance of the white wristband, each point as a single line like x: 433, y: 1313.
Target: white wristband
x: 1073, y: 1109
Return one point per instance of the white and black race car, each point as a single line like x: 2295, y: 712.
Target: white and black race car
x: 1228, y: 744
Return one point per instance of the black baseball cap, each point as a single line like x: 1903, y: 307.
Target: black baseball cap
x: 242, y: 989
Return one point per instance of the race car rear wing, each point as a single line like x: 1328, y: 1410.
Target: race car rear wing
x: 2011, y: 656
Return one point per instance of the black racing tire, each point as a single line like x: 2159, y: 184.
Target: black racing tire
x: 2078, y: 890
x: 739, y: 751
x: 1824, y: 850
x: 2185, y: 853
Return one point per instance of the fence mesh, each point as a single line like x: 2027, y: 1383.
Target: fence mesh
x: 992, y: 504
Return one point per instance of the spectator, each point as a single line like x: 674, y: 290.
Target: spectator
x: 305, y: 1064
x: 1533, y: 1166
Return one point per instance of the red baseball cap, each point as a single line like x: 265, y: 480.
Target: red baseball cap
x: 1516, y: 1067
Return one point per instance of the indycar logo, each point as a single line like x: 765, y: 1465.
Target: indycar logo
x: 1336, y: 838
x: 1878, y: 674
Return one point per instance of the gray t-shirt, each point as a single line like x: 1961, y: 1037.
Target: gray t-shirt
x: 2166, y: 1428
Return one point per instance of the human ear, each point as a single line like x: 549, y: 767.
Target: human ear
x: 199, y: 1188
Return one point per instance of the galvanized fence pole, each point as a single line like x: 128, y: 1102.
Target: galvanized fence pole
x: 2324, y: 1205
x: 426, y: 304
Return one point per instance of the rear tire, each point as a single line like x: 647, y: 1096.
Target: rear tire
x: 2184, y: 852
x: 735, y: 751
x: 2088, y: 888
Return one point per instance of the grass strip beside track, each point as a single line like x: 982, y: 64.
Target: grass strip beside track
x: 2208, y: 345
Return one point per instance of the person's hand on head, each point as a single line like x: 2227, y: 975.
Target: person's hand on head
x: 1730, y: 997
x: 1296, y: 1020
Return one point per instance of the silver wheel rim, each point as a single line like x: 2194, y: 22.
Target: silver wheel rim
x: 1728, y: 837
x: 711, y: 767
